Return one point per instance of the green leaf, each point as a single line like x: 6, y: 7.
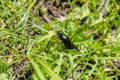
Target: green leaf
x: 3, y: 76
x: 36, y: 68
x: 49, y: 71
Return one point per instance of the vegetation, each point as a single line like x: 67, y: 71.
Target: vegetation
x: 31, y: 49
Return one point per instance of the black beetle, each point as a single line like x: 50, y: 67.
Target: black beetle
x: 65, y: 39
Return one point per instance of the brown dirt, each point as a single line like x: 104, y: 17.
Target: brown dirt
x: 52, y: 9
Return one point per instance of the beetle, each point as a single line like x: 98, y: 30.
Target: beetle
x: 66, y: 40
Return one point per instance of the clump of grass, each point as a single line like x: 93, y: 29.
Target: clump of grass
x: 31, y: 46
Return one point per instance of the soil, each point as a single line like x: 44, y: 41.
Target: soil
x: 52, y: 9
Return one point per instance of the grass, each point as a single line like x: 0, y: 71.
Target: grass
x: 33, y: 45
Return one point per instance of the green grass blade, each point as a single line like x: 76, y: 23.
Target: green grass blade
x: 36, y: 68
x: 49, y: 71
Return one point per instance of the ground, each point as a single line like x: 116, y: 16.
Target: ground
x: 31, y: 49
